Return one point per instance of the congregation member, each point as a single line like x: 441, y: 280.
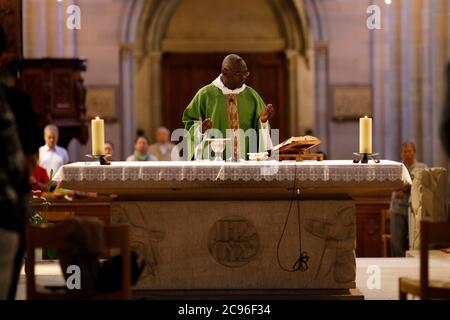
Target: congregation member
x: 51, y: 156
x: 39, y: 179
x: 400, y: 203
x: 141, y: 150
x: 109, y: 151
x: 216, y: 106
x: 162, y: 149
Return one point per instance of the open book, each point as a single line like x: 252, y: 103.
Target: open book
x: 295, y: 145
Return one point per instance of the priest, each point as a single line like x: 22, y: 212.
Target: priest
x: 233, y: 109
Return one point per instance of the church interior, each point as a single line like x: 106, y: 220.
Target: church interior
x: 344, y: 194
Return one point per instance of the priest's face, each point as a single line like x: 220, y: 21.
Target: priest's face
x: 235, y: 75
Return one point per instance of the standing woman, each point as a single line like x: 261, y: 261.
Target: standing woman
x: 141, y: 150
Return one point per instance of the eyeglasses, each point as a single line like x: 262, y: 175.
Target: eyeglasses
x: 241, y: 73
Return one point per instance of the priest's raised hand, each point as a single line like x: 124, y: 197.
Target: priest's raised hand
x: 206, y: 124
x: 267, y: 113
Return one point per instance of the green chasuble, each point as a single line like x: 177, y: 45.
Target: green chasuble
x: 210, y: 102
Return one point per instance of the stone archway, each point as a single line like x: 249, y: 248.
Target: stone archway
x: 144, y: 28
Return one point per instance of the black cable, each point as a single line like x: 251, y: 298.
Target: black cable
x: 301, y: 264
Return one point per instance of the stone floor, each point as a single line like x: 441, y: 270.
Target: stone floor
x: 389, y: 269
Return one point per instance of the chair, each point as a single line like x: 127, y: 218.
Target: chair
x: 116, y: 237
x: 54, y: 217
x: 431, y: 232
x: 57, y: 216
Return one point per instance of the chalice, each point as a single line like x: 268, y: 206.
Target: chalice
x: 218, y: 145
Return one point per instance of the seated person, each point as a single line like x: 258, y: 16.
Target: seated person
x: 141, y: 150
x: 162, y: 149
x: 109, y: 151
x: 400, y: 203
x: 39, y: 179
x: 51, y: 156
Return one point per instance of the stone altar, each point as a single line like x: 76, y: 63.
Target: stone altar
x: 239, y: 226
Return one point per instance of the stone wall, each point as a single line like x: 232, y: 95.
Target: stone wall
x: 402, y: 63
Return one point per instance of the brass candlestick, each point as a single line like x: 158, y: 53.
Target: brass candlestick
x: 100, y: 158
x: 365, y: 157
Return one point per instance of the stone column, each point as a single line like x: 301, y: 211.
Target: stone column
x: 411, y: 73
x: 321, y: 66
x: 60, y: 29
x: 305, y: 93
x: 148, y: 92
x: 427, y: 91
x: 127, y: 95
x: 391, y: 89
x: 377, y: 41
x: 155, y: 116
x: 292, y: 99
x: 35, y: 33
x: 69, y: 37
x: 52, y: 27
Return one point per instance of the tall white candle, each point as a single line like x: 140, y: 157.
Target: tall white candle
x: 365, y: 135
x: 98, y: 136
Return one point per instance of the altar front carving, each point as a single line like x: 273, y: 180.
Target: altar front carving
x: 198, y: 245
x: 239, y: 226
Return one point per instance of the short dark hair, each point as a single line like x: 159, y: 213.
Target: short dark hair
x: 3, y: 41
x: 409, y: 144
x: 230, y: 60
x: 141, y: 136
x: 110, y: 143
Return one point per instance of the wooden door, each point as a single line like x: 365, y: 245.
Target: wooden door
x: 185, y: 74
x: 368, y: 224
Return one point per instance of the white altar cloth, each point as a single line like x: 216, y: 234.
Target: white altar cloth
x: 324, y: 171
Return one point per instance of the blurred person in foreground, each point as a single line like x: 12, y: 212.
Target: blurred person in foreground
x: 19, y: 145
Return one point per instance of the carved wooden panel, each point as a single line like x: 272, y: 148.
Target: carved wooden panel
x: 11, y: 21
x: 64, y: 105
x: 58, y: 94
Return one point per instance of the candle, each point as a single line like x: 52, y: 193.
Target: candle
x: 98, y: 136
x: 365, y: 135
